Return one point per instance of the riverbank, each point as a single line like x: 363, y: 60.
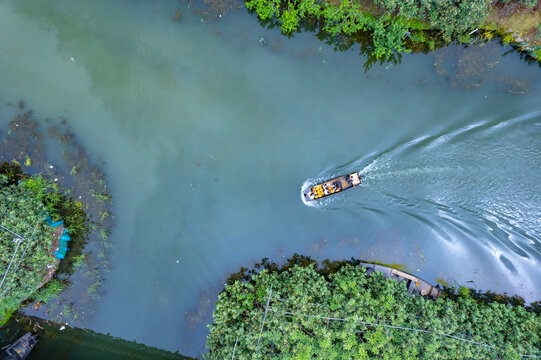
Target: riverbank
x: 519, y: 24
x: 345, y: 309
x: 396, y: 27
x: 74, y: 196
x: 36, y: 218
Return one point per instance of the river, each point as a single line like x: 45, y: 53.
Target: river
x: 210, y: 126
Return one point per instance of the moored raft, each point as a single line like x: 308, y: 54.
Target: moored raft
x: 21, y: 348
x: 415, y: 285
x: 333, y: 186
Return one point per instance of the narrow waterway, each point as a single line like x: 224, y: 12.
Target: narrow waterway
x: 209, y: 129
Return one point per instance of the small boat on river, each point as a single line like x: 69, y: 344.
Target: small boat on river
x: 333, y: 186
x: 21, y: 348
x: 415, y: 285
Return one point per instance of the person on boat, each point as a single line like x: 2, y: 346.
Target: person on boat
x: 326, y: 189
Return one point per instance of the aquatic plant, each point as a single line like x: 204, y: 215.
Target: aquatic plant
x: 100, y: 197
x: 79, y: 260
x: 335, y: 310
x: 73, y: 171
x: 49, y: 291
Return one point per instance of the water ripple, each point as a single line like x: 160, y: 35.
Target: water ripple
x: 478, y: 183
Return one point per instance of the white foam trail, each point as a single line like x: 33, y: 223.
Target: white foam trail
x: 305, y: 186
x: 442, y: 139
x: 417, y: 140
x: 520, y: 118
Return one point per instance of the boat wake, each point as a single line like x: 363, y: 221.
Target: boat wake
x: 480, y: 181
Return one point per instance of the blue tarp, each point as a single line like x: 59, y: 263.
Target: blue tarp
x: 64, y: 238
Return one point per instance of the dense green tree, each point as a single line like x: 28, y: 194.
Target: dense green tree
x: 301, y: 312
x: 389, y: 30
x: 452, y: 17
x: 25, y: 242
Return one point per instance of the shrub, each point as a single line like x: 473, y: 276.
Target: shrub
x: 26, y: 241
x: 453, y: 18
x: 23, y: 215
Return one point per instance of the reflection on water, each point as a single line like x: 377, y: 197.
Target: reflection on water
x: 72, y: 343
x: 207, y: 134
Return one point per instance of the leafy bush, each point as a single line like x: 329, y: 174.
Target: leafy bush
x: 457, y: 17
x: 23, y: 214
x: 388, y: 36
x: 453, y: 18
x: 300, y: 311
x: 26, y: 241
x: 345, y: 19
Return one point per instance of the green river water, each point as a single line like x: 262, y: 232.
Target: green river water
x: 208, y: 133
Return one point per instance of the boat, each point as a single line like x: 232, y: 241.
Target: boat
x: 415, y: 285
x: 21, y: 348
x: 333, y: 186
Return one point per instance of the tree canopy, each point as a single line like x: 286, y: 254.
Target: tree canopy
x: 389, y: 22
x: 301, y: 312
x: 25, y: 242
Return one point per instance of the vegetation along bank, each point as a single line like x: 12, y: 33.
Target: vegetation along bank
x: 28, y: 142
x: 401, y: 26
x: 338, y: 310
x: 36, y: 217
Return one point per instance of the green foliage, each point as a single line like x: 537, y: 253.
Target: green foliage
x: 265, y: 9
x: 344, y: 19
x: 58, y: 205
x: 388, y: 36
x: 100, y: 197
x: 508, y: 38
x: 79, y: 260
x: 289, y: 19
x: 23, y: 211
x: 464, y: 292
x: 49, y: 291
x: 24, y: 204
x: 456, y: 18
x: 528, y: 3
x: 453, y: 18
x: 10, y: 174
x: 8, y: 306
x: 339, y: 312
